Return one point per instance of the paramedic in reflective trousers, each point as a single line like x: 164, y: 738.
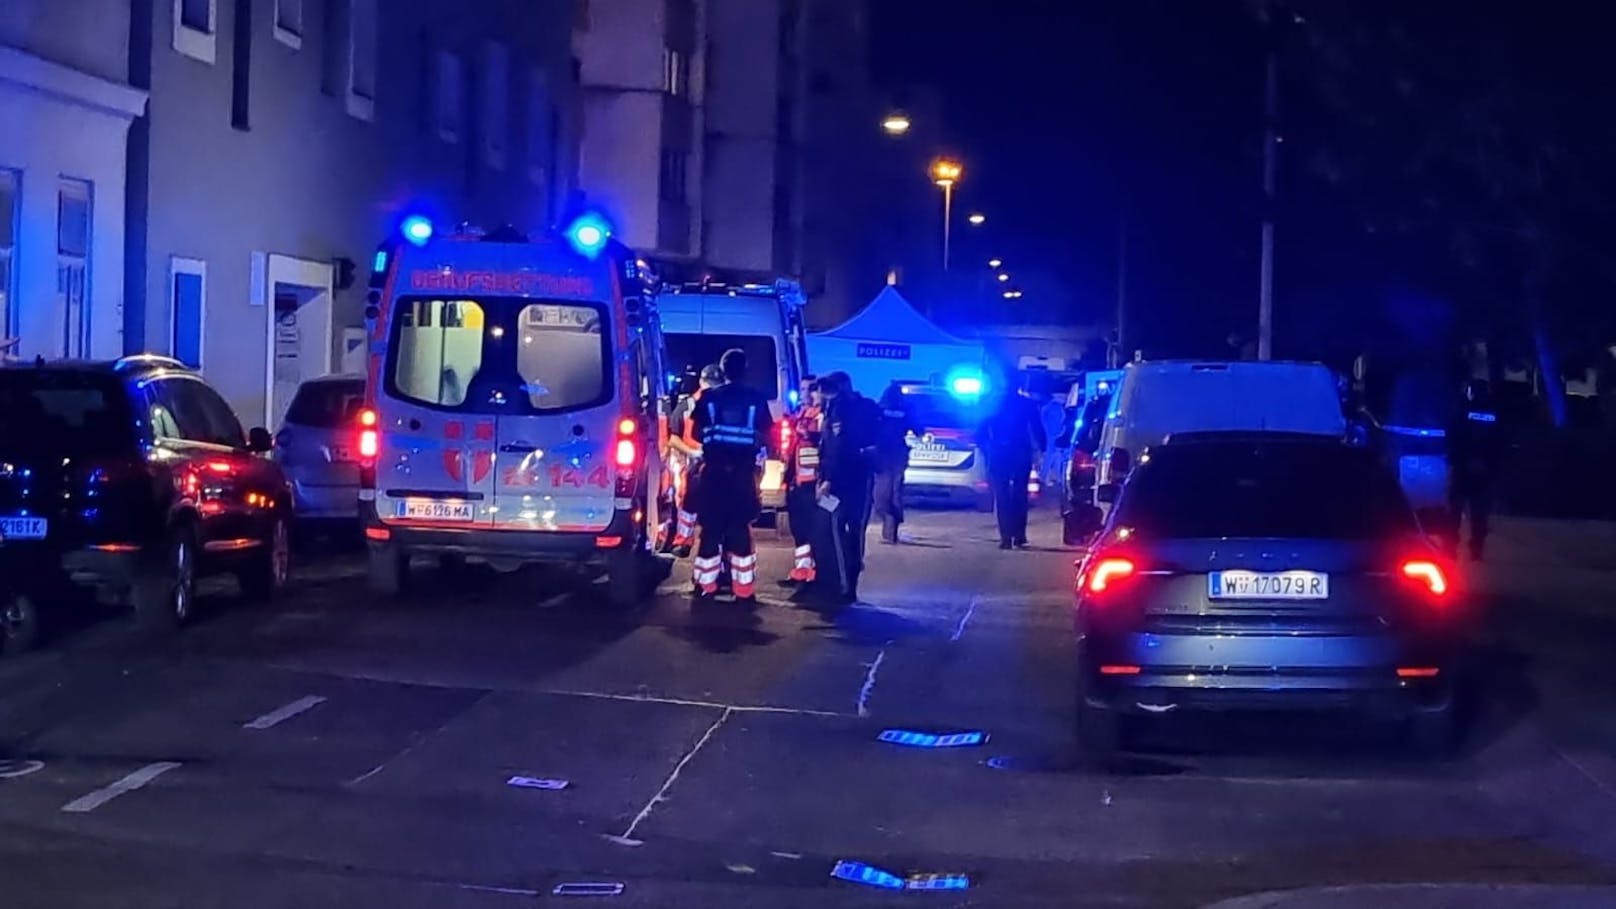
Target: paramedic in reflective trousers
x: 892, y: 458
x: 1012, y: 437
x: 847, y: 444
x: 684, y: 459
x: 732, y: 422
x: 802, y: 477
x: 1475, y: 445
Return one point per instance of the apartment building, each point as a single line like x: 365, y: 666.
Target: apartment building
x: 285, y: 138
x: 65, y: 112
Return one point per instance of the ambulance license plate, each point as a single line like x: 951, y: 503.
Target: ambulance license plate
x: 434, y: 510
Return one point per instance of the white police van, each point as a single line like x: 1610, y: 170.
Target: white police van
x: 511, y: 403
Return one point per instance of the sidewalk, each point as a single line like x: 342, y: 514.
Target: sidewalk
x: 1430, y: 896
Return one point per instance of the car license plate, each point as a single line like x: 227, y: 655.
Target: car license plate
x: 434, y: 510
x: 23, y: 528
x: 1268, y: 585
x: 932, y: 453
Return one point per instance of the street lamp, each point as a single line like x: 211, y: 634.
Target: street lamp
x: 1011, y: 295
x: 977, y: 219
x: 1003, y: 277
x: 995, y: 263
x: 896, y: 123
x: 945, y: 172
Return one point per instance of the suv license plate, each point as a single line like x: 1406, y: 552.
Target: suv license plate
x: 1268, y: 585
x: 23, y: 528
x: 434, y: 510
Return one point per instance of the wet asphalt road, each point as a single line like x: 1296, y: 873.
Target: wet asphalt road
x: 335, y: 750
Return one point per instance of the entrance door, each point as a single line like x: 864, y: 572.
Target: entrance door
x: 299, y: 328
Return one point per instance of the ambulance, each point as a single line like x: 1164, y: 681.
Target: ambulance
x: 702, y: 320
x: 511, y: 403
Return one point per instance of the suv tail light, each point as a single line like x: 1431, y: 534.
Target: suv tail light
x: 370, y: 442
x: 1105, y: 574
x: 1427, y: 574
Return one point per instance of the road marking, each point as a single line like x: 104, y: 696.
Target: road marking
x: 10, y: 770
x: 418, y: 741
x: 869, y: 682
x: 281, y: 715
x: 686, y: 702
x: 1600, y: 784
x: 128, y: 784
x: 966, y: 618
x: 626, y: 838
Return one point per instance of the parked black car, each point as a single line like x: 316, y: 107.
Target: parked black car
x: 133, y: 477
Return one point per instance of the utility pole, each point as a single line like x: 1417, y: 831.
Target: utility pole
x: 1271, y: 140
x: 948, y: 219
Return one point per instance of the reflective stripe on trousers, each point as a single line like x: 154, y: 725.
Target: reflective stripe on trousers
x: 685, y: 530
x: 742, y: 575
x: 803, y: 568
x: 705, y: 573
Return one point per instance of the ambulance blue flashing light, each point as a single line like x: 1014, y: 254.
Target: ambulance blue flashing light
x: 793, y: 396
x: 589, y: 234
x: 965, y: 382
x: 379, y: 264
x: 416, y: 229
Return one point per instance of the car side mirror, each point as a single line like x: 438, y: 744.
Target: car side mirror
x: 1107, y: 493
x: 259, y: 440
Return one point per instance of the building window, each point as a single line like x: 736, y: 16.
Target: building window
x: 187, y: 308
x: 675, y: 72
x: 9, y: 198
x: 195, y: 27
x: 73, y: 207
x: 363, y: 25
x: 449, y: 96
x: 496, y: 96
x: 541, y: 150
x: 674, y: 177
x: 289, y: 23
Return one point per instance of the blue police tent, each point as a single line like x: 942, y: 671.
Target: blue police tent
x: 890, y: 340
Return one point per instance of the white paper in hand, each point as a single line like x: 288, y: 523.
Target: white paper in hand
x: 829, y: 502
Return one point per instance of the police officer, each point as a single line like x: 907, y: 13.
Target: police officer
x: 1474, y: 448
x: 802, y: 479
x: 732, y: 422
x: 892, y: 458
x: 847, y: 444
x: 685, y: 457
x: 1011, y: 438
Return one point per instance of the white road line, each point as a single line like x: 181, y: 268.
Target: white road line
x: 966, y: 618
x: 686, y: 702
x: 869, y: 682
x: 281, y: 715
x: 1586, y: 773
x: 626, y: 838
x: 419, y: 741
x: 128, y: 784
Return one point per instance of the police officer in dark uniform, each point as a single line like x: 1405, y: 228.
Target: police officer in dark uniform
x: 1011, y: 438
x: 892, y: 458
x: 732, y: 422
x: 847, y: 444
x: 1475, y: 446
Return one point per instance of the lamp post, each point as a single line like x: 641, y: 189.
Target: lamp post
x: 945, y: 172
x: 896, y: 123
x: 977, y: 219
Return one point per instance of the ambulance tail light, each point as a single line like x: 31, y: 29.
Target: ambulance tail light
x: 626, y: 455
x: 782, y: 431
x: 370, y: 442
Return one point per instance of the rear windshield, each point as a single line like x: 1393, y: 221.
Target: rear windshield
x: 692, y: 352
x: 499, y: 355
x: 46, y: 412
x: 327, y: 405
x: 1295, y: 490
x: 942, y: 412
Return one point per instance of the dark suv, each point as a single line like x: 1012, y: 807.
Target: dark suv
x: 134, y: 477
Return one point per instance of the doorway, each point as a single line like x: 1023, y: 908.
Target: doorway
x: 298, y: 294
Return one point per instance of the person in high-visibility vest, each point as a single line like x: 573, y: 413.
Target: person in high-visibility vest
x: 732, y: 422
x: 684, y: 456
x: 802, y: 478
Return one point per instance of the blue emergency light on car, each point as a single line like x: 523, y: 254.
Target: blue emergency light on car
x: 588, y: 234
x: 966, y: 382
x: 416, y: 229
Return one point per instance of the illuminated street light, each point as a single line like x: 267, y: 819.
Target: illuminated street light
x: 995, y: 263
x: 945, y: 172
x: 1012, y: 295
x: 1003, y: 277
x: 977, y: 219
x: 896, y: 123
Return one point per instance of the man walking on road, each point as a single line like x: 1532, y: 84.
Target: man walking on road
x: 684, y: 459
x: 731, y: 422
x: 1474, y: 449
x: 802, y: 479
x: 1012, y: 438
x: 846, y: 445
x: 892, y: 458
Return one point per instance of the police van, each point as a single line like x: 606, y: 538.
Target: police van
x: 511, y: 403
x: 701, y: 321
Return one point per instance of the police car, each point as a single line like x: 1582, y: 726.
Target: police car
x: 511, y: 403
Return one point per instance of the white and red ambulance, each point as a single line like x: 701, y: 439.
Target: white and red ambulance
x: 512, y: 403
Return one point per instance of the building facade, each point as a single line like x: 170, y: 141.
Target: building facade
x: 285, y: 138
x: 65, y: 113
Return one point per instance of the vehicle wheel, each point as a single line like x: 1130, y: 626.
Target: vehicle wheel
x: 1434, y: 734
x: 266, y: 574
x: 1099, y: 732
x: 165, y: 591
x: 388, y: 569
x: 626, y: 573
x: 19, y: 625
